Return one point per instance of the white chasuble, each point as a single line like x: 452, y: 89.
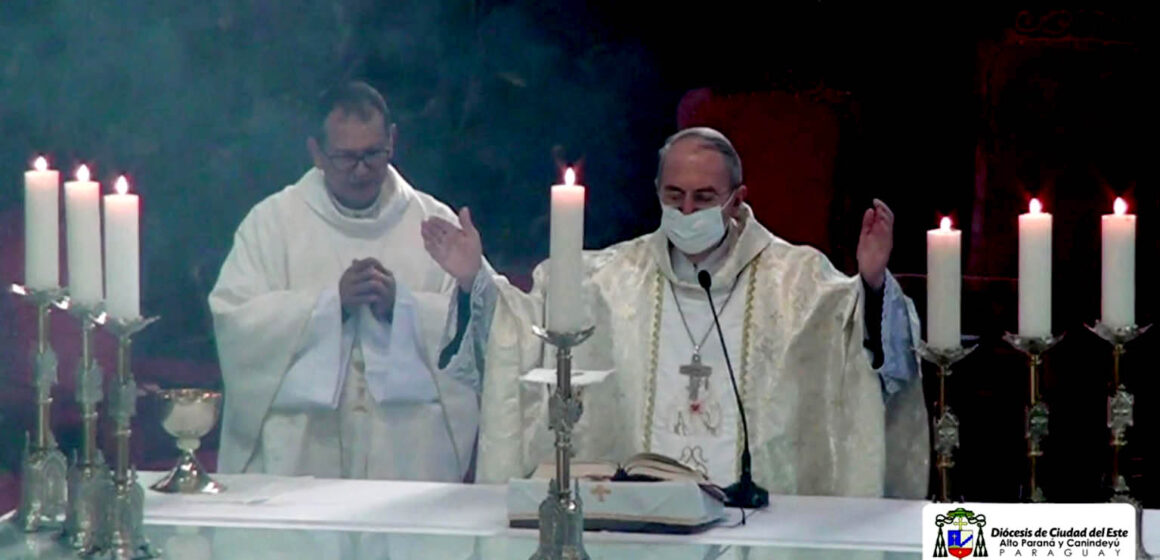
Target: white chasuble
x: 695, y: 419
x: 307, y: 393
x: 818, y: 422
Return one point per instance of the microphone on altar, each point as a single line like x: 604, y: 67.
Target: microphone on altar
x: 744, y: 493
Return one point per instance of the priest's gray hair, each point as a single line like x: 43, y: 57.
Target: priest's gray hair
x: 708, y: 138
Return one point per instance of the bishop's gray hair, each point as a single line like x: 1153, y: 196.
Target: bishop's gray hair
x: 708, y: 138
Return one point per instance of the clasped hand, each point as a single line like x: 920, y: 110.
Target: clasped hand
x: 367, y: 282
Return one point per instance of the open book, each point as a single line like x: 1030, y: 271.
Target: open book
x: 642, y: 467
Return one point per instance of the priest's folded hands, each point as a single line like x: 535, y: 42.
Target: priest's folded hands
x: 367, y: 282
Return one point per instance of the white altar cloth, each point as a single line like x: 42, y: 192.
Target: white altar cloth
x: 259, y: 501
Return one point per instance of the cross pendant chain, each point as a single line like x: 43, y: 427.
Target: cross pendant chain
x: 698, y: 376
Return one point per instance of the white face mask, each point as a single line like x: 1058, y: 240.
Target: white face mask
x: 694, y: 233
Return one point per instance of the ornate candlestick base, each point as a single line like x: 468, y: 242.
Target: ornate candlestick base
x: 562, y: 512
x: 1121, y: 494
x: 89, y: 486
x: 946, y: 426
x: 122, y: 536
x: 1120, y: 418
x: 44, y: 487
x: 88, y: 478
x: 1036, y: 415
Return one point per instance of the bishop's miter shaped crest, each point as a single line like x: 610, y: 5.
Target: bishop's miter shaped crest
x: 964, y: 535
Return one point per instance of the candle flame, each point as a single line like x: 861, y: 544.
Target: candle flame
x: 945, y: 224
x: 83, y: 173
x: 40, y: 164
x: 570, y: 177
x: 1036, y: 207
x: 122, y: 185
x: 1120, y: 207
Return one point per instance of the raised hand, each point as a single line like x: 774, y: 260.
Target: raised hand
x: 875, y: 243
x: 457, y: 249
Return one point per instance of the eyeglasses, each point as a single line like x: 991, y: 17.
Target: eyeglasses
x: 374, y: 159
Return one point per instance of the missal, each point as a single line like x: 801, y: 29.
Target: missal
x: 642, y: 467
x: 647, y: 493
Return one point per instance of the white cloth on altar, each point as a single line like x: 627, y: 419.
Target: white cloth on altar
x: 818, y: 421
x: 293, y: 370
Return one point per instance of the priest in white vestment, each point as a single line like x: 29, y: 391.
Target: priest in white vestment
x: 339, y: 337
x: 824, y: 361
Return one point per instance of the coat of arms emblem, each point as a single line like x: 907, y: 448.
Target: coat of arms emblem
x: 964, y: 534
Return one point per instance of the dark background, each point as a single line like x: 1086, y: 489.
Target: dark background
x: 952, y: 110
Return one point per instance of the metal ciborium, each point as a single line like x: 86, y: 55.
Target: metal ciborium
x: 189, y: 414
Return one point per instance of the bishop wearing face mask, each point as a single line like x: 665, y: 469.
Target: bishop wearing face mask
x: 823, y: 361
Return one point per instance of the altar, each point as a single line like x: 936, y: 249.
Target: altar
x: 262, y: 516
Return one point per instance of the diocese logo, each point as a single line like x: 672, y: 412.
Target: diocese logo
x: 964, y: 534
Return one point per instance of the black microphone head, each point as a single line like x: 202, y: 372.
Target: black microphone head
x: 705, y: 279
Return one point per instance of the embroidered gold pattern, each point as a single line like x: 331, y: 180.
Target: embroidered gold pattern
x: 745, y: 339
x: 651, y: 378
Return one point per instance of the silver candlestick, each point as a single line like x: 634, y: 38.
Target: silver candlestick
x: 562, y: 512
x: 88, y: 477
x: 946, y: 427
x: 1036, y: 414
x: 122, y: 535
x: 44, y: 488
x: 1120, y: 418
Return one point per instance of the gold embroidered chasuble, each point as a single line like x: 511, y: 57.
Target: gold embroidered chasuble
x: 817, y: 417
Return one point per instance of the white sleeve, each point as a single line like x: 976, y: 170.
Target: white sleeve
x: 396, y: 369
x: 318, y: 369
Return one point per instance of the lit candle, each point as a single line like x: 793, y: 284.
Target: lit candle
x: 1035, y: 272
x: 122, y: 253
x: 565, y: 267
x: 1119, y: 267
x: 943, y: 286
x: 42, y: 226
x: 83, y: 240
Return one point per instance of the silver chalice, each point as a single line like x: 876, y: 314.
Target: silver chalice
x: 189, y: 414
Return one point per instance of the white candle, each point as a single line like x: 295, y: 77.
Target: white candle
x: 42, y: 226
x: 1035, y: 272
x: 565, y: 267
x: 83, y: 219
x: 1119, y: 267
x: 943, y: 286
x: 122, y: 253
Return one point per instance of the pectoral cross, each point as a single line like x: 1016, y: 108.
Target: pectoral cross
x: 698, y: 376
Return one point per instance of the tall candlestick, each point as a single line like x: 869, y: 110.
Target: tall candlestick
x: 122, y: 253
x: 42, y: 226
x: 1035, y: 272
x: 1119, y: 267
x: 565, y: 268
x: 944, y: 281
x: 83, y: 239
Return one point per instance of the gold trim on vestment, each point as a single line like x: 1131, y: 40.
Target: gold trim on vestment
x: 654, y: 348
x: 743, y: 382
